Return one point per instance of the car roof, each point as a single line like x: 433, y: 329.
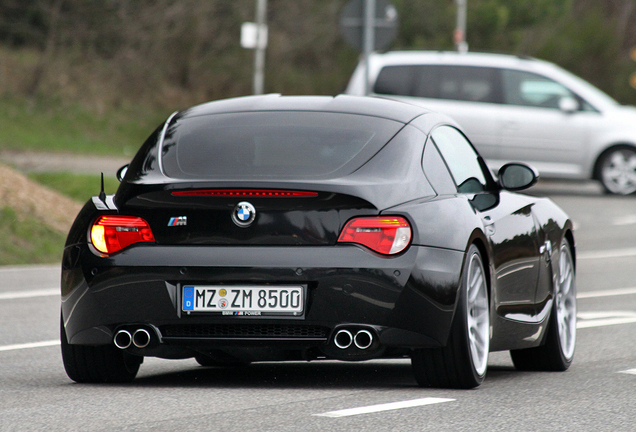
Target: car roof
x: 366, y: 106
x: 454, y: 57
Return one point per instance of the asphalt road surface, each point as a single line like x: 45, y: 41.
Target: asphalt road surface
x: 598, y: 393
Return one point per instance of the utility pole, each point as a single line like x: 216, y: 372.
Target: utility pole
x: 368, y: 42
x: 261, y: 44
x: 460, y: 28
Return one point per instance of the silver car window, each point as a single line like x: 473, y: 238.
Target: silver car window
x: 462, y: 83
x: 530, y: 89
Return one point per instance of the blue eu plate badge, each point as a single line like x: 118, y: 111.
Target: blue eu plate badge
x: 188, y: 298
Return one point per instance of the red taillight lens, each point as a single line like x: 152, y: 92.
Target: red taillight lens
x: 111, y: 234
x: 385, y: 234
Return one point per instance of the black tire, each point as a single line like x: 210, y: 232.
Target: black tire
x: 462, y: 363
x: 616, y: 170
x: 98, y: 364
x: 557, y: 352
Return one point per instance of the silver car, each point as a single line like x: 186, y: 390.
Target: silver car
x: 517, y: 108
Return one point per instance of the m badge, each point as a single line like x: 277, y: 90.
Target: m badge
x: 178, y: 221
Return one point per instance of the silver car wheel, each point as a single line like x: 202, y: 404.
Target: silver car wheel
x: 618, y: 171
x: 478, y: 319
x: 463, y: 361
x: 566, y: 302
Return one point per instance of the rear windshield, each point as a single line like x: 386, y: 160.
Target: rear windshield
x: 259, y: 145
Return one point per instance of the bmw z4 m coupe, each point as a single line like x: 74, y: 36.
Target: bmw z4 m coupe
x: 272, y: 228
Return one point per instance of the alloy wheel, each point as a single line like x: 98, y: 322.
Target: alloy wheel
x: 566, y: 303
x: 618, y: 171
x: 478, y: 319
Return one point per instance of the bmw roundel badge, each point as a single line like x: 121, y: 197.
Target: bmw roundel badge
x: 244, y: 214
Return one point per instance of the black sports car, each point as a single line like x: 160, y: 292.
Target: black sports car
x: 277, y: 228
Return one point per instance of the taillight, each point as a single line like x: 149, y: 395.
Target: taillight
x: 384, y: 234
x: 111, y: 234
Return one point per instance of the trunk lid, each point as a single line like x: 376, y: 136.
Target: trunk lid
x: 205, y: 217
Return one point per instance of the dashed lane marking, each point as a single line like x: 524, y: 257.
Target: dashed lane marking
x: 605, y: 318
x: 604, y: 254
x: 384, y: 407
x: 30, y: 345
x: 606, y: 293
x: 12, y: 295
x: 629, y: 371
x: 624, y: 220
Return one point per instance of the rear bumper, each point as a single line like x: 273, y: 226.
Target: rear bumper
x: 407, y: 301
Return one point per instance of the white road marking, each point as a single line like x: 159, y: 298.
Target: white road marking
x: 606, y: 293
x: 607, y: 318
x: 625, y: 220
x: 610, y: 253
x: 12, y: 295
x: 629, y: 371
x: 30, y: 345
x: 384, y: 407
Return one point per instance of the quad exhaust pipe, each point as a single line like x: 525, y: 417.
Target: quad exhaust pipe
x: 363, y: 339
x: 122, y: 339
x: 343, y: 339
x: 140, y: 338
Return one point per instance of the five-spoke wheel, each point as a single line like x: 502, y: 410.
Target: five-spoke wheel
x: 617, y: 170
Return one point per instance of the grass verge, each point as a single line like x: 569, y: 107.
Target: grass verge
x: 24, y: 240
x: 79, y: 187
x: 46, y: 126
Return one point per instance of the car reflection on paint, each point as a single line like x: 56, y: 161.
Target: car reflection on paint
x: 277, y: 228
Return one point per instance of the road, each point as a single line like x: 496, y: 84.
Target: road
x: 597, y: 393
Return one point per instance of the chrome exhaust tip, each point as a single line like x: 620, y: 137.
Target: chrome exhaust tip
x: 122, y: 339
x: 141, y: 338
x: 343, y: 339
x: 363, y: 339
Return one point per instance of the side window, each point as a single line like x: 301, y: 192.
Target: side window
x: 395, y: 80
x: 436, y: 171
x: 461, y: 158
x: 462, y: 83
x: 529, y: 89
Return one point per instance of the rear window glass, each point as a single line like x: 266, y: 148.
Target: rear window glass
x: 464, y: 83
x: 272, y: 145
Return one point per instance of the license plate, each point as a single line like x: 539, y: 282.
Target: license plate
x: 244, y: 300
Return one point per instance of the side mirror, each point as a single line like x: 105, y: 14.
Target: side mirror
x: 121, y: 172
x: 568, y: 104
x: 517, y: 176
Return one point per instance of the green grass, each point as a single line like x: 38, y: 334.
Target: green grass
x: 44, y: 125
x: 79, y: 187
x: 24, y: 240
